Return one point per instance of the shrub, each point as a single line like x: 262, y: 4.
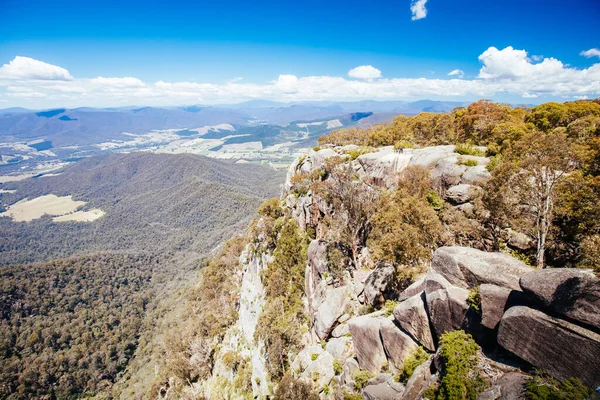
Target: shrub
x: 352, y: 396
x: 460, y: 380
x: 389, y: 307
x: 294, y: 389
x: 416, y: 357
x: 338, y: 368
x: 474, y: 299
x: 434, y: 200
x: 403, y: 144
x: 314, y: 356
x: 361, y: 377
x: 542, y: 387
x: 467, y: 149
x: 231, y: 359
x: 271, y: 208
x: 467, y: 161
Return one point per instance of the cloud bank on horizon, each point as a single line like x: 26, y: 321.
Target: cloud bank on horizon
x: 28, y: 82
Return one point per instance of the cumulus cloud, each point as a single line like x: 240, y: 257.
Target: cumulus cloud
x: 28, y: 68
x: 456, y: 72
x: 364, y: 72
x: 507, y: 71
x: 418, y: 9
x: 590, y: 53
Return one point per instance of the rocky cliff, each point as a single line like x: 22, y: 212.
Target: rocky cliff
x: 378, y: 327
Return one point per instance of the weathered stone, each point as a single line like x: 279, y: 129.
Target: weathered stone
x: 493, y: 304
x: 574, y: 293
x: 330, y: 310
x: 381, y: 285
x: 559, y: 347
x: 447, y: 172
x: 415, y: 288
x: 435, y: 281
x: 360, y: 276
x: 413, y: 318
x: 447, y: 309
x: 518, y: 240
x: 383, y: 166
x: 397, y: 344
x: 339, y: 347
x: 383, y: 391
x: 462, y: 193
x: 475, y: 175
x: 317, y: 255
x: 349, y: 369
x: 419, y: 381
x: 321, y: 369
x: 510, y: 386
x: 340, y: 330
x: 367, y: 342
x: 467, y: 267
x: 304, y: 357
x: 468, y: 209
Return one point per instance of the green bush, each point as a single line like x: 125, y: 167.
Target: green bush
x: 294, y: 389
x: 389, y: 307
x: 467, y: 161
x: 361, y: 377
x: 434, y: 199
x: 543, y: 387
x: 403, y: 144
x: 314, y: 356
x: 460, y: 379
x: 474, y: 299
x: 338, y: 368
x: 467, y: 149
x: 416, y: 357
x: 352, y: 396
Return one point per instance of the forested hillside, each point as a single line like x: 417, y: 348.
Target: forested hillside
x: 99, y: 292
x: 153, y: 203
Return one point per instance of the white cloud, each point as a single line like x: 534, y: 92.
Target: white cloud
x: 503, y: 72
x: 418, y: 9
x: 28, y: 68
x: 590, y: 53
x: 456, y: 72
x: 581, y: 97
x: 364, y: 72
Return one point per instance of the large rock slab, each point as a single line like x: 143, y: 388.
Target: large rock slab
x: 509, y: 386
x: 330, y: 310
x: 571, y: 292
x: 467, y: 267
x: 397, y: 344
x: 412, y: 317
x: 559, y: 347
x: 434, y: 281
x: 419, y: 381
x: 383, y: 391
x: 367, y: 342
x: 495, y: 300
x: 447, y: 309
x: 339, y: 347
x: 382, y: 284
x: 415, y: 288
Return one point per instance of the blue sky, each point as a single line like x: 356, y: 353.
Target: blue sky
x: 214, y: 43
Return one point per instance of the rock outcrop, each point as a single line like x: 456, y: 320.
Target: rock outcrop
x: 367, y: 342
x: 397, y: 344
x: 447, y: 309
x: 559, y: 347
x: 412, y: 317
x: 467, y: 267
x: 381, y: 284
x: 573, y: 293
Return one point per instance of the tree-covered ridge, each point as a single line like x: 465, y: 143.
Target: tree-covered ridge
x: 545, y: 164
x: 70, y: 326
